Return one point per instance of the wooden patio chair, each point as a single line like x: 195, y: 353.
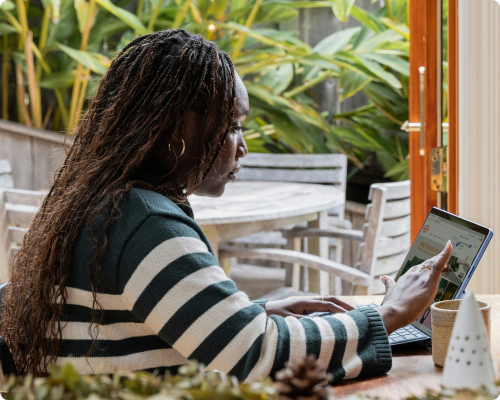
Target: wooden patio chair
x: 17, y: 209
x: 329, y: 169
x: 385, y: 242
x: 6, y: 180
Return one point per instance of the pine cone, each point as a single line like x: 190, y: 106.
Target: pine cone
x: 303, y: 381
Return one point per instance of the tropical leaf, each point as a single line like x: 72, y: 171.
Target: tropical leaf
x: 400, y: 171
x: 55, y: 9
x: 95, y: 61
x: 275, y: 13
x: 278, y: 79
x: 217, y: 8
x: 82, y: 9
x: 367, y: 19
x: 351, y: 83
x: 58, y: 80
x: 68, y: 19
x: 303, y: 112
x: 377, y: 69
x: 126, y: 16
x: 6, y: 29
x: 402, y: 29
x: 342, y: 9
x: 126, y: 38
x: 371, y: 43
x: 335, y: 42
x: 7, y: 5
x: 396, y: 63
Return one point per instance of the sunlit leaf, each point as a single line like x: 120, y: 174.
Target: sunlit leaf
x: 377, y: 69
x: 217, y: 8
x: 126, y: 16
x: 82, y: 9
x: 7, y: 5
x: 335, y: 42
x: 342, y: 9
x: 375, y: 41
x: 402, y: 29
x: 306, y: 113
x: 367, y: 19
x: 66, y: 25
x: 54, y: 7
x: 95, y: 61
x: 275, y: 13
x: 396, y: 63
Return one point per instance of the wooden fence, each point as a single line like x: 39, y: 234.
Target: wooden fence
x: 33, y: 153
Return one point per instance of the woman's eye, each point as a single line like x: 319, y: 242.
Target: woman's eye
x: 236, y: 128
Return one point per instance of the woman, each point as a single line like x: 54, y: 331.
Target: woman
x: 115, y: 273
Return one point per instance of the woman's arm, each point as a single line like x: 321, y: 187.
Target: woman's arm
x: 172, y: 282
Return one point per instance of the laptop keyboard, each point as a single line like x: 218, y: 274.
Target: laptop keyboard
x: 403, y: 335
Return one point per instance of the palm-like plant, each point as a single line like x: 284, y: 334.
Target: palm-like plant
x: 64, y: 46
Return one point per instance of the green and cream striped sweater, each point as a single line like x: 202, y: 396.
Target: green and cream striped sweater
x: 166, y: 300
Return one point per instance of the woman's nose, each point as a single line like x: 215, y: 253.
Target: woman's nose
x: 242, y: 150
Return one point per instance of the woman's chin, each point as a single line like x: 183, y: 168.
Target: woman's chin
x: 214, y: 190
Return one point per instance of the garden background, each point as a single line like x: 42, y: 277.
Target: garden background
x: 322, y: 76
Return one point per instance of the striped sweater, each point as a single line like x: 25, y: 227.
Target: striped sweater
x: 166, y: 300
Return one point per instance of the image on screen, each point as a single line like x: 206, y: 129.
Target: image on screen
x: 431, y: 241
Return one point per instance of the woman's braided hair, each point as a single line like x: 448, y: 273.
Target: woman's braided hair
x: 140, y: 104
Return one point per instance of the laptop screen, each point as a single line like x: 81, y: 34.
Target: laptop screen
x: 467, y: 239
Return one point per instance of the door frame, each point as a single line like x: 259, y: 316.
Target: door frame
x: 424, y: 47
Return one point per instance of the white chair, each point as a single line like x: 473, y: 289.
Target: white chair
x: 6, y: 180
x: 385, y: 242
x: 17, y: 209
x: 329, y: 169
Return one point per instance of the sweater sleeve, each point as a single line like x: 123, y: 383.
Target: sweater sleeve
x: 171, y: 281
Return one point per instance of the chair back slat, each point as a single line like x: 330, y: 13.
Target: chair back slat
x: 17, y: 209
x: 293, y: 160
x: 330, y: 169
x: 387, y: 232
x: 389, y: 265
x: 395, y: 227
x: 394, y: 190
x: 393, y: 209
x: 292, y: 175
x: 389, y: 246
x: 6, y: 180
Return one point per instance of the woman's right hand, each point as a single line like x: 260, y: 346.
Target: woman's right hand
x: 413, y: 293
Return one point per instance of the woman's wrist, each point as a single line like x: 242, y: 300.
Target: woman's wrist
x: 390, y: 317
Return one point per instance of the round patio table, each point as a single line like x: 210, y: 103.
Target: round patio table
x: 249, y: 207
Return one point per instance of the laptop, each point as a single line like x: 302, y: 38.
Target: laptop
x: 469, y: 244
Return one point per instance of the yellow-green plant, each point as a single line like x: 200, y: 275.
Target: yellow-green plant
x: 61, y: 48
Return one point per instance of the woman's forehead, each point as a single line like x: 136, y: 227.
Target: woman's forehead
x: 241, y: 99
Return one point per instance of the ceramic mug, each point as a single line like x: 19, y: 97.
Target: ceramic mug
x: 443, y: 316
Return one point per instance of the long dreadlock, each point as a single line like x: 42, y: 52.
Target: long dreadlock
x: 140, y: 104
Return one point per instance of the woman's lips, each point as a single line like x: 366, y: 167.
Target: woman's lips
x: 232, y: 174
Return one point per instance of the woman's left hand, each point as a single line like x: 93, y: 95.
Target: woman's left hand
x: 302, y: 307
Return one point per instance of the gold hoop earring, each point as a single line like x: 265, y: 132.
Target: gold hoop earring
x: 183, y: 148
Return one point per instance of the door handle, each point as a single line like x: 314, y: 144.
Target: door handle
x: 421, y: 71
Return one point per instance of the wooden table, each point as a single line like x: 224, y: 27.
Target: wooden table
x: 249, y: 207
x: 413, y: 370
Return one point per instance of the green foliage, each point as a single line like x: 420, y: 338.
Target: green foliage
x: 278, y: 68
x: 191, y: 383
